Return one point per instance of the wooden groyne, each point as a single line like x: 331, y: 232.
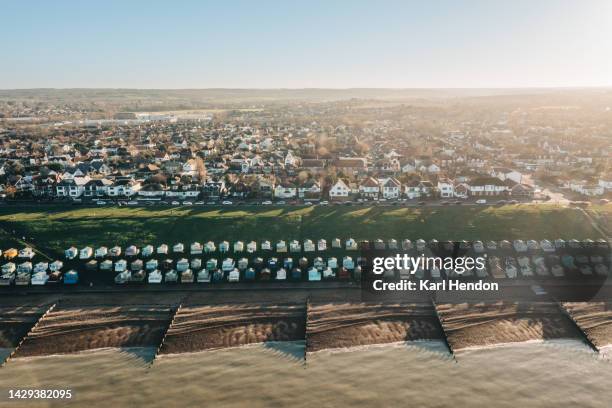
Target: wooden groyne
x: 444, y: 335
x: 592, y: 319
x: 30, y: 332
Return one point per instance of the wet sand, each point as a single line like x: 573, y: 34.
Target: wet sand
x: 69, y: 329
x: 197, y: 328
x: 595, y: 319
x: 346, y: 325
x: 485, y: 324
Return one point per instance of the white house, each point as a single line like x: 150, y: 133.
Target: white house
x: 487, y: 186
x: 339, y: 191
x: 446, y: 188
x: 391, y: 188
x: 504, y: 173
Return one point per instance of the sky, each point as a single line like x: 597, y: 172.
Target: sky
x: 305, y: 44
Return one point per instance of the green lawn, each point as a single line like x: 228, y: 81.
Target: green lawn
x: 56, y: 228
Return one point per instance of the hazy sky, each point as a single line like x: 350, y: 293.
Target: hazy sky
x: 303, y: 44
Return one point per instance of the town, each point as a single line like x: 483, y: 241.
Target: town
x: 300, y: 152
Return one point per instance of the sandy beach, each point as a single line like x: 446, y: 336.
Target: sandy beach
x: 483, y: 324
x: 70, y: 329
x: 346, y: 325
x: 197, y: 328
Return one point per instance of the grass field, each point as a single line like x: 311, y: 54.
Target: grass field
x: 55, y: 228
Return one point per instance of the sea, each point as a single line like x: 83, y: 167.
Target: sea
x: 559, y: 373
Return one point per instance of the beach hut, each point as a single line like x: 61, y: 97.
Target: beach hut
x: 171, y: 276
x: 288, y: 263
x: 559, y: 243
x: 238, y: 246
x: 303, y: 262
x: 251, y: 247
x: 265, y: 274
x: 25, y: 267
x: 101, y: 252
x: 91, y: 266
x: 258, y: 263
x: 533, y: 245
x: 273, y: 264
x: 266, y: 245
x: 136, y: 265
x: 106, y: 265
x: 495, y: 267
x: 85, y: 253
x: 281, y: 274
x: 573, y: 243
x: 162, y: 249
x: 540, y: 265
x: 465, y: 245
x: 379, y: 244
x: 318, y: 263
x: 203, y: 276
x: 41, y: 267
x: 491, y: 245
x: 187, y: 276
x: 22, y: 278
x: 56, y: 265
x: 115, y: 251
x: 12, y: 253
x: 138, y: 276
x: 182, y: 265
x: 224, y: 247
x: 351, y: 245
x: 178, y: 248
x: 336, y: 243
x: 309, y: 246
x: 71, y: 277
x: 70, y: 253
x: 524, y: 265
x: 294, y: 246
x: 233, y: 275
x: 510, y: 267
x: 122, y: 277
x: 121, y: 265
x: 131, y: 251
x: 249, y: 274
x: 25, y: 253
x: 343, y: 274
x: 167, y: 264
x: 211, y: 264
x: 392, y: 244
x: 519, y: 245
x: 602, y: 244
x: 195, y: 264
x: 281, y: 246
x: 448, y: 246
x: 505, y: 245
x: 365, y: 245
x: 39, y: 278
x: 227, y: 265
x: 478, y: 247
x: 420, y: 245
x: 601, y: 269
x: 155, y: 276
x: 322, y: 245
x: 314, y: 274
x: 210, y: 247
x: 151, y: 265
x: 196, y: 248
x: 406, y: 244
x: 55, y: 277
x: 9, y: 267
x: 547, y: 246
x: 296, y: 274
x: 348, y: 263
x: 332, y: 262
x: 243, y: 264
x: 147, y: 251
x: 328, y: 273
